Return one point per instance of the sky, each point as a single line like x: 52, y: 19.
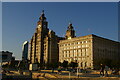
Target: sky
x: 19, y: 20
x: 60, y: 0
x: 0, y: 25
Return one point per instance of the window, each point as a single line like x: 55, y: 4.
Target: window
x: 74, y: 51
x: 82, y: 45
x: 79, y: 51
x: 64, y: 54
x: 76, y: 42
x: 74, y: 47
x: 79, y: 54
x: 85, y: 53
x: 83, y: 50
x: 70, y: 47
x: 68, y: 55
x: 75, y: 54
x: 86, y: 50
x: 64, y: 44
x: 67, y: 51
x: 4, y: 57
x: 71, y: 51
x: 82, y: 42
x: 89, y: 41
x: 79, y: 46
x: 72, y: 55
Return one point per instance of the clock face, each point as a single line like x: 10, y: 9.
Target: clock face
x: 39, y: 25
x: 69, y: 37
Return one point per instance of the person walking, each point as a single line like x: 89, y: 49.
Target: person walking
x: 102, y: 67
x: 59, y: 70
x: 106, y: 70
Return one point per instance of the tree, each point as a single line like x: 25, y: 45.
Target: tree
x: 65, y: 64
x: 73, y: 64
x: 51, y: 65
x: 115, y: 64
x: 59, y: 64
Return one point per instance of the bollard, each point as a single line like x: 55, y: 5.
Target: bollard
x: 30, y: 74
x: 69, y: 75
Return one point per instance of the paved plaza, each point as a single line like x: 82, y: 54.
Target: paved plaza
x: 64, y: 75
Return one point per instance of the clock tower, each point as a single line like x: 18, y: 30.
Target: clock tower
x: 43, y: 47
x: 70, y: 33
x: 38, y: 39
x: 42, y: 24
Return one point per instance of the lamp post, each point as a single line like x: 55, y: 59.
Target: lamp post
x: 69, y: 75
x: 77, y: 72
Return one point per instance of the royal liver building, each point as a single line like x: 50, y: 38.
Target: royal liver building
x: 43, y: 45
x: 88, y: 51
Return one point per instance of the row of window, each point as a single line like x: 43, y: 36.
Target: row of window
x: 75, y: 51
x: 108, y: 51
x: 74, y: 43
x: 75, y: 54
x: 75, y: 47
x: 76, y: 59
x: 111, y: 55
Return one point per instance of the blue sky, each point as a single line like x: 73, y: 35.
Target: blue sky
x: 60, y: 0
x: 19, y: 20
x: 0, y: 25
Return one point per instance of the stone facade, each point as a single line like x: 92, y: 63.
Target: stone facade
x: 46, y: 47
x: 88, y: 51
x: 105, y: 49
x: 43, y: 45
x: 77, y: 49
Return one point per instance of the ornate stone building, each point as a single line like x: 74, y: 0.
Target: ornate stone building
x: 43, y: 45
x: 88, y: 51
